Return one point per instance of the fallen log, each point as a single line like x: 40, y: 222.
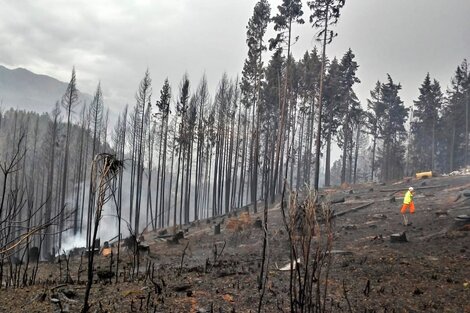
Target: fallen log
x: 337, y: 200
x: 415, y: 188
x: 336, y: 214
x: 458, y: 209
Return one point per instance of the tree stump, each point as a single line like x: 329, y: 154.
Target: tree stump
x: 33, y: 254
x: 217, y: 229
x: 398, y: 237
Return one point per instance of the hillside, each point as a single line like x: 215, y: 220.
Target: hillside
x: 25, y: 90
x: 204, y: 272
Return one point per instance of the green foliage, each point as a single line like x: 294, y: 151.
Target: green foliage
x: 332, y: 100
x: 392, y: 131
x: 349, y: 108
x: 455, y: 114
x: 325, y: 12
x: 310, y: 66
x: 165, y: 97
x: 269, y: 107
x: 252, y: 72
x: 290, y: 11
x: 424, y: 124
x: 376, y: 111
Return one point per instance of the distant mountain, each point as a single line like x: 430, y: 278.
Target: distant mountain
x: 22, y: 89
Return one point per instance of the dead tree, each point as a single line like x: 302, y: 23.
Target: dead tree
x: 104, y: 169
x: 69, y: 101
x: 310, y: 232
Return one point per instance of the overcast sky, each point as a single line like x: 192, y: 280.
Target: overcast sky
x: 115, y: 41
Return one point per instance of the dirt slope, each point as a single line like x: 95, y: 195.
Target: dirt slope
x: 429, y: 273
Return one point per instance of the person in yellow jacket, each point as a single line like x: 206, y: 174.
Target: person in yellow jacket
x: 408, y: 203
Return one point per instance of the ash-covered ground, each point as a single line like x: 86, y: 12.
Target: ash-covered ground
x: 204, y: 272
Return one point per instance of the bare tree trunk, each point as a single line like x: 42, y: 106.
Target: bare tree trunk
x: 228, y: 178
x: 120, y: 189
x: 50, y: 180
x: 189, y: 167
x: 345, y: 148
x: 299, y: 180
x: 328, y: 151
x: 243, y: 170
x: 171, y: 180
x: 466, y: 129
x: 307, y: 164
x: 284, y: 112
x: 215, y: 180
x: 70, y: 98
x: 163, y: 182
x: 150, y: 144
x: 79, y: 170
x: 158, y: 213
x: 350, y: 156
x: 236, y: 163
x: 140, y: 166
x: 177, y: 184
x: 356, y: 153
x: 133, y: 169
x: 328, y: 160
x: 433, y: 146
x: 452, y: 149
x: 320, y: 103
x: 374, y: 146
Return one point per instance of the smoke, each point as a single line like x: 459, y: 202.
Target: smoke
x: 70, y: 242
x: 108, y: 229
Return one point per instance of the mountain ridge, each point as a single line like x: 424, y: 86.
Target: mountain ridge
x: 21, y: 88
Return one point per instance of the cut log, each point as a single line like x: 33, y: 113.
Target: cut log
x: 424, y: 175
x: 460, y: 209
x: 379, y: 216
x: 340, y: 252
x: 463, y: 218
x: 182, y: 287
x: 288, y: 266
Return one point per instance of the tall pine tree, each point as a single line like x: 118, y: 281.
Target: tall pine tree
x: 325, y: 13
x: 424, y: 124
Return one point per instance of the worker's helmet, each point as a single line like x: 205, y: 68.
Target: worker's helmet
x: 411, y: 189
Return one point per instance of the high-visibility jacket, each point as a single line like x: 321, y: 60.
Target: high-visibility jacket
x: 408, y: 197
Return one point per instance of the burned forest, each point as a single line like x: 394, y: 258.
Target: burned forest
x: 275, y: 190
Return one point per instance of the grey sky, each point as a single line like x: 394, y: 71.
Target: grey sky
x: 115, y: 41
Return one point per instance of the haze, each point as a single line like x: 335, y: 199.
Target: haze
x: 115, y: 41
